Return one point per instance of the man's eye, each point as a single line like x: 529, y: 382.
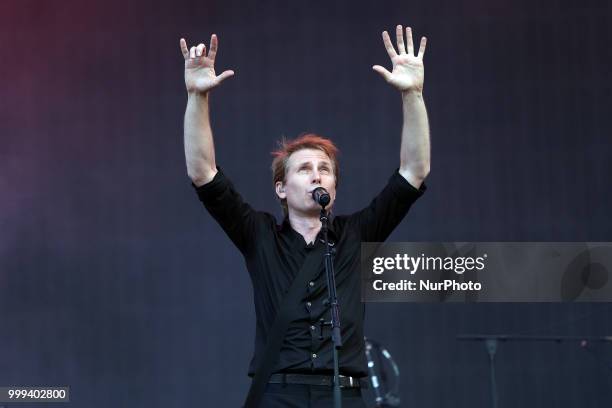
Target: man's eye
x: 324, y: 170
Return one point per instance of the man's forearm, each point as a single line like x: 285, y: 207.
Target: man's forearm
x: 199, y: 146
x: 415, y: 148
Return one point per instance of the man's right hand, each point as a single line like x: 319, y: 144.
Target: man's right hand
x: 200, y: 74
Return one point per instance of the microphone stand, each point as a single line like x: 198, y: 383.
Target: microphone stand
x: 491, y: 342
x: 332, y: 300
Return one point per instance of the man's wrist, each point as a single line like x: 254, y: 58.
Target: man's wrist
x: 198, y: 96
x: 412, y: 94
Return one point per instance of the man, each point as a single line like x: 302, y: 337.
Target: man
x: 275, y: 254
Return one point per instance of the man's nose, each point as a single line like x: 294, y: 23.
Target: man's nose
x: 316, y: 177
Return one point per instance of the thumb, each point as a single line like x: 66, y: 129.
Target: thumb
x: 382, y: 71
x: 224, y: 75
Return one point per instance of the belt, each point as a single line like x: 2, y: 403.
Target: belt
x: 314, y: 379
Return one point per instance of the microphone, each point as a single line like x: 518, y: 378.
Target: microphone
x: 321, y: 196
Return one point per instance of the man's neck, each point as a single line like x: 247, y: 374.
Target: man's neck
x: 307, y: 225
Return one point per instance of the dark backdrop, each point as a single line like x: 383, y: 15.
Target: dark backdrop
x: 115, y: 281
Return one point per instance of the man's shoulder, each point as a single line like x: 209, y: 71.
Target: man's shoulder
x: 268, y: 220
x: 341, y: 222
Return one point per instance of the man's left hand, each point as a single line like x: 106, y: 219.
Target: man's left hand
x: 408, y: 71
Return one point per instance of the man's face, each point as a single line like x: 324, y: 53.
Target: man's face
x: 307, y: 169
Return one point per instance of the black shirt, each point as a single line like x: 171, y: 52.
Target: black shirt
x: 274, y: 254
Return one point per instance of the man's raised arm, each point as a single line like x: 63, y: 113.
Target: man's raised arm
x: 408, y: 77
x: 200, y: 78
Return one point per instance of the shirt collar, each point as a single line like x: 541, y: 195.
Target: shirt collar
x: 331, y: 232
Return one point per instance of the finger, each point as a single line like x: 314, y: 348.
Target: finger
x: 199, y: 50
x: 382, y: 71
x: 192, y: 52
x: 224, y: 75
x: 184, y: 49
x: 409, y: 41
x: 399, y: 34
x: 422, y: 47
x: 213, y: 47
x: 388, y: 45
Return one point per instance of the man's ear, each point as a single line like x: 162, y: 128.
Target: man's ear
x: 280, y: 190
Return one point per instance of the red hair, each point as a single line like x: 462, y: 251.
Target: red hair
x: 288, y: 147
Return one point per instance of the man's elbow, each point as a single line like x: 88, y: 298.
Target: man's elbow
x: 415, y: 175
x: 201, y: 176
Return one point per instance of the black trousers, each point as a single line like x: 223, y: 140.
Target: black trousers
x: 308, y: 396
